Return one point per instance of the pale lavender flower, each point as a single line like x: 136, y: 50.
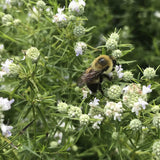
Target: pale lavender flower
x: 6, y: 130
x: 119, y: 70
x: 79, y: 48
x: 60, y: 16
x: 142, y: 103
x: 147, y: 89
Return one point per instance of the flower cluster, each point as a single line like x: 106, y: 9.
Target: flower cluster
x: 135, y: 98
x: 135, y: 125
x: 33, y: 53
x: 76, y: 7
x: 113, y: 109
x: 112, y: 41
x: 149, y: 73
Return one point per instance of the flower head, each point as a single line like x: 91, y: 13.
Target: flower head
x: 114, y: 92
x: 127, y: 76
x: 84, y: 119
x: 33, y: 53
x: 117, y: 53
x: 135, y: 125
x: 149, y: 73
x: 99, y: 120
x: 74, y: 111
x: 156, y: 150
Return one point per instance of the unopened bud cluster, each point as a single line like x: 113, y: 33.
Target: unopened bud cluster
x: 127, y: 76
x: 7, y: 19
x: 135, y: 125
x: 84, y: 119
x: 117, y: 53
x: 33, y: 53
x: 156, y: 149
x: 149, y: 73
x: 41, y: 4
x: 112, y: 41
x: 74, y: 112
x: 156, y: 120
x: 114, y: 92
x: 62, y: 107
x: 79, y: 31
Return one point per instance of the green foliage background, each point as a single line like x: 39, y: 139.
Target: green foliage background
x: 54, y: 77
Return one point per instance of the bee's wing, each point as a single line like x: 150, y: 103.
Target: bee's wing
x: 88, y: 77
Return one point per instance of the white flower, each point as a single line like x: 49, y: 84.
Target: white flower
x: 136, y: 109
x: 139, y: 105
x: 94, y: 103
x: 142, y: 103
x: 1, y: 47
x: 157, y: 14
x: 99, y: 119
x: 2, y: 74
x: 125, y: 89
x: 5, y: 104
x: 79, y: 48
x: 5, y: 65
x: 6, y: 130
x: 147, y: 89
x: 59, y: 16
x: 119, y: 70
x: 77, y: 7
x: 85, y: 92
x: 82, y: 2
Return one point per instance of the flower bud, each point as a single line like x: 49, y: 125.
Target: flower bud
x: 127, y: 76
x: 33, y: 53
x: 115, y: 135
x: 114, y: 36
x: 155, y: 109
x: 135, y: 125
x: 114, y: 92
x: 6, y: 19
x: 149, y: 73
x: 14, y: 69
x: 40, y: 4
x: 74, y: 111
x: 53, y: 144
x: 84, y: 119
x: 156, y: 149
x: 117, y: 53
x: 79, y: 31
x: 62, y: 107
x: 16, y: 22
x: 111, y: 44
x: 156, y: 120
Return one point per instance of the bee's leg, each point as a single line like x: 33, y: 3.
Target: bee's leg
x: 100, y: 87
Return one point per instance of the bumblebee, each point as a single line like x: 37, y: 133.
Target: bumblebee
x: 100, y: 68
